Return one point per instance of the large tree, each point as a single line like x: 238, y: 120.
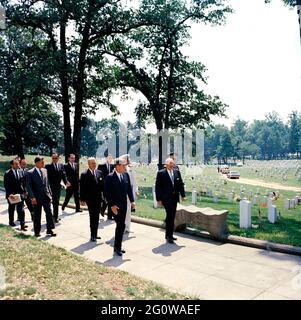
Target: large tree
x: 27, y: 119
x: 152, y: 62
x: 75, y: 31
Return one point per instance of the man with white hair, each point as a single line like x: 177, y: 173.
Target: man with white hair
x: 169, y: 185
x: 117, y: 191
x: 91, y: 193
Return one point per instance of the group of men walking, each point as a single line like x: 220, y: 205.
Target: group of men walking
x: 110, y: 186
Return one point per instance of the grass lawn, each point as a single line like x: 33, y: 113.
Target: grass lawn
x: 287, y: 230
x: 37, y: 270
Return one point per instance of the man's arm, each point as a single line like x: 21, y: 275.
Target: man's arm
x: 63, y: 175
x: 181, y: 185
x: 158, y: 188
x: 7, y: 185
x: 28, y: 181
x: 130, y: 190
x: 83, y: 188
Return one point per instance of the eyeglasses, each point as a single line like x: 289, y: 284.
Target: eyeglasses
x: 55, y: 158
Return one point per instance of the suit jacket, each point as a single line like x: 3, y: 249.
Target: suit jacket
x: 71, y: 174
x: 116, y: 192
x: 56, y: 176
x: 11, y: 184
x: 104, y: 169
x: 165, y: 190
x: 38, y: 187
x: 91, y: 188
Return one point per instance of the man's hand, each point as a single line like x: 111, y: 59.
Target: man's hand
x: 159, y: 203
x: 68, y: 184
x: 82, y: 203
x: 137, y: 193
x: 115, y: 210
x: 133, y: 205
x: 34, y: 201
x: 184, y: 199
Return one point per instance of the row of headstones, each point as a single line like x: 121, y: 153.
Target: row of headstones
x: 246, y: 210
x: 245, y: 214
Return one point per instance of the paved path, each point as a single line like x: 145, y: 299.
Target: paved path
x: 197, y: 267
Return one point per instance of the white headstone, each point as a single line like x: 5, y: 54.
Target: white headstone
x: 272, y: 214
x: 287, y: 204
x: 155, y: 203
x: 245, y: 214
x: 194, y: 196
x: 264, y: 200
x: 255, y: 200
x: 231, y: 196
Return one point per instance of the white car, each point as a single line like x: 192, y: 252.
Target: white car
x: 224, y: 169
x: 233, y: 175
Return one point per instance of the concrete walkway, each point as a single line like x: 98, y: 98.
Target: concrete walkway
x: 196, y: 267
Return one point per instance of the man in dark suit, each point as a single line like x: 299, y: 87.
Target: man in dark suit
x: 117, y: 189
x: 71, y: 169
x: 24, y: 170
x: 38, y: 188
x: 56, y: 174
x: 13, y: 185
x: 169, y: 185
x: 106, y: 169
x: 91, y: 193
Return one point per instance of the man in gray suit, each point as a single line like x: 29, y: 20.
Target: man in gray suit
x: 39, y: 192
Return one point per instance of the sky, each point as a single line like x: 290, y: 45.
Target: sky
x: 253, y: 61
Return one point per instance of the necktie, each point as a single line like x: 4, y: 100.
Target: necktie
x: 121, y: 178
x: 108, y: 166
x: 171, y: 177
x: 40, y: 174
x: 16, y: 174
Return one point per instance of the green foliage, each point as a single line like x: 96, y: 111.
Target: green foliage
x: 270, y: 138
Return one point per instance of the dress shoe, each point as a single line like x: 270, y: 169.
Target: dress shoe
x: 175, y: 239
x: 51, y: 233
x: 57, y: 220
x: 12, y: 224
x: 93, y: 239
x: 122, y: 251
x: 24, y: 228
x: 79, y: 210
x: 170, y: 241
x: 63, y: 208
x: 98, y: 237
x: 37, y: 235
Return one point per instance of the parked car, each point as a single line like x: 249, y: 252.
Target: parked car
x: 225, y: 169
x: 233, y: 175
x: 239, y: 164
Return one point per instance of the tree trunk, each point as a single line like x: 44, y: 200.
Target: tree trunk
x: 65, y: 92
x: 80, y: 85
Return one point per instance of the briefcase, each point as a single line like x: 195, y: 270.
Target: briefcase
x: 15, y: 198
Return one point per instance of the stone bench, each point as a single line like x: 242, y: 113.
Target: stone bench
x: 210, y: 220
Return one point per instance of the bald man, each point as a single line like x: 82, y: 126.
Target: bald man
x: 169, y: 187
x: 91, y: 193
